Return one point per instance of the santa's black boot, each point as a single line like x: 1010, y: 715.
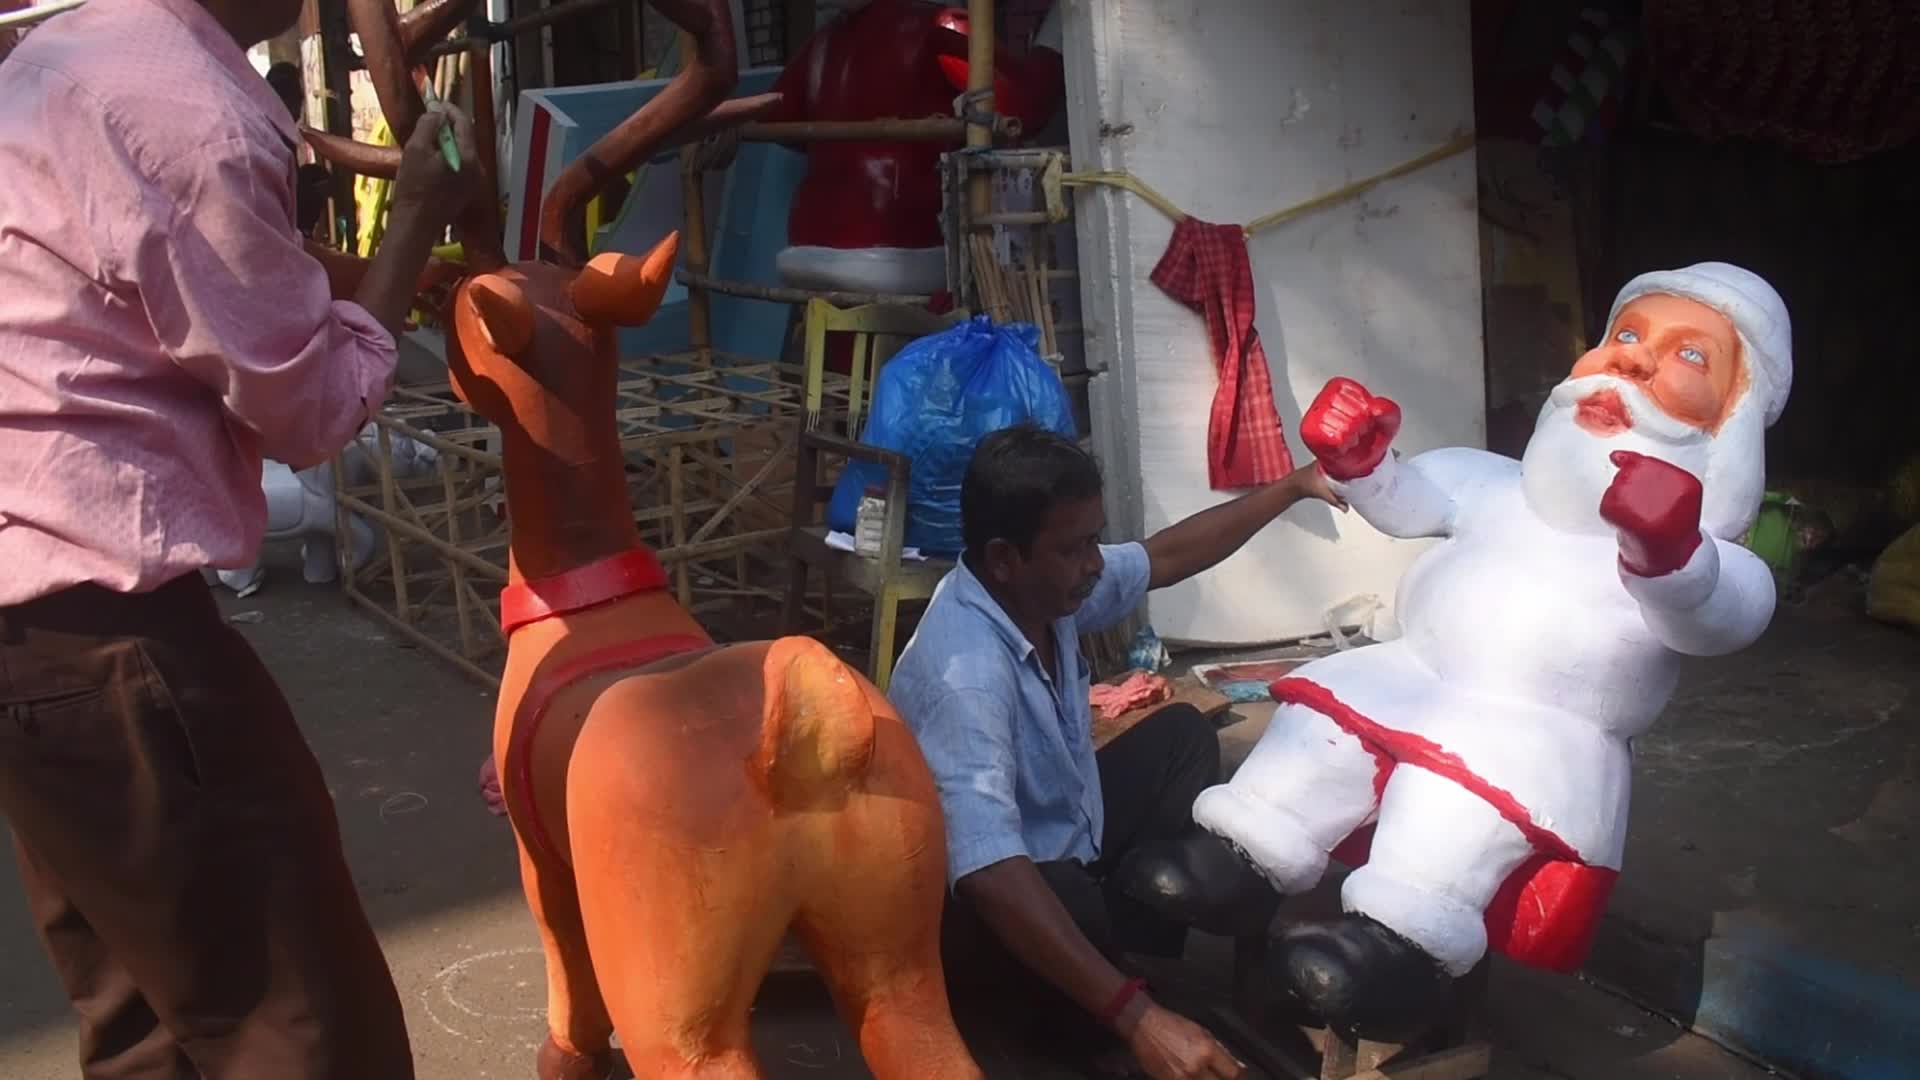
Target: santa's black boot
x: 1199, y: 880
x: 1360, y: 978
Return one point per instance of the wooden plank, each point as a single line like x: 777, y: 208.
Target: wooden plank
x: 1470, y: 1062
x: 747, y: 290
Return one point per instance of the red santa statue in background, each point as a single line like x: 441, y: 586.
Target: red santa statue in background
x: 867, y: 214
x: 1487, y: 747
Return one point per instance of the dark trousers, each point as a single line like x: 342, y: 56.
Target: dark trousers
x: 1149, y: 777
x: 179, y: 849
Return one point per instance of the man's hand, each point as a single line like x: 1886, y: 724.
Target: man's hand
x: 427, y: 195
x: 1311, y: 482
x: 1349, y: 430
x: 1169, y: 1046
x: 1656, y: 508
x: 427, y: 185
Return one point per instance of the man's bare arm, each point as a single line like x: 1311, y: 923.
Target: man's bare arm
x: 1021, y: 909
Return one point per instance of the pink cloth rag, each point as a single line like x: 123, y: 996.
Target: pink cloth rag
x: 1114, y: 700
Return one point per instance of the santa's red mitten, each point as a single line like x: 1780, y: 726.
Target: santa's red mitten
x: 1349, y: 430
x: 1655, y: 507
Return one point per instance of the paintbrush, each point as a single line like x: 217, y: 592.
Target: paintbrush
x: 448, y: 148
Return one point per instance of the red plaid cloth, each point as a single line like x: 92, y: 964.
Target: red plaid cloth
x: 1206, y: 268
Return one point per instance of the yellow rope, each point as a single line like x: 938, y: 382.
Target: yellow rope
x: 1128, y: 182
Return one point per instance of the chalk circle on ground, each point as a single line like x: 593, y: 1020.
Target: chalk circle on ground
x: 512, y: 983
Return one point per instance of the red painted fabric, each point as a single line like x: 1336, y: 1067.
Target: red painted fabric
x: 1206, y: 267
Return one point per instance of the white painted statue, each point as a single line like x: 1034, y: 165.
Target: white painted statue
x: 301, y: 506
x: 1488, y: 745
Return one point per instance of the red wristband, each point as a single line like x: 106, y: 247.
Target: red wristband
x: 1121, y: 999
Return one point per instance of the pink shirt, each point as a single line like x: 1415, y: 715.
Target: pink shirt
x: 161, y: 327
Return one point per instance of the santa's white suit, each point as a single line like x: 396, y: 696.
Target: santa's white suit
x: 1489, y: 744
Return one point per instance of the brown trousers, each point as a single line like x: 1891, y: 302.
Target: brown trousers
x: 179, y: 848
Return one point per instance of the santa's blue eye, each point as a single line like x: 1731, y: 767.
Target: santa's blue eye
x: 1693, y: 356
x: 1627, y: 337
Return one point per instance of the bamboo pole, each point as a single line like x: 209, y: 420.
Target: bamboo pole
x: 980, y: 32
x: 699, y: 280
x: 694, y: 252
x: 924, y: 129
x: 677, y: 492
x: 462, y: 612
x: 693, y: 249
x: 394, y: 523
x: 388, y: 497
x: 745, y: 492
x: 412, y: 633
x: 502, y: 32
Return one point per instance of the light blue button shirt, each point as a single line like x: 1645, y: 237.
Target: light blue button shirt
x: 1011, y: 749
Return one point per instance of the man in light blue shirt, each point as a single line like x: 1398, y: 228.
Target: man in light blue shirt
x: 1039, y: 824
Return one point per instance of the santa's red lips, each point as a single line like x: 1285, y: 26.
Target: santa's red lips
x: 1603, y: 413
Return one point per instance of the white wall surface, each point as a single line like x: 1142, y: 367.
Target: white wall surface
x: 1233, y: 109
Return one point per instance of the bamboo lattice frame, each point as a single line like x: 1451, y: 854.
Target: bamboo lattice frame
x: 709, y: 462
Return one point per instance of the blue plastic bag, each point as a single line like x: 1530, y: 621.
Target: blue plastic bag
x: 934, y: 402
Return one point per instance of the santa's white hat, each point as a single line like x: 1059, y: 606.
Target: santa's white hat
x: 1754, y: 308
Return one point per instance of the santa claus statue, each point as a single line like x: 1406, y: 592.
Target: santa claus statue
x: 866, y: 216
x: 1488, y: 746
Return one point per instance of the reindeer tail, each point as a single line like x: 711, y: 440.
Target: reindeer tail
x: 816, y: 737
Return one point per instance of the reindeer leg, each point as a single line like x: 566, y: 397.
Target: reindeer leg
x: 680, y: 887
x: 875, y: 933
x: 579, y: 1030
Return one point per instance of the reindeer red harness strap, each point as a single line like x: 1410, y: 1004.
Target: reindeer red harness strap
x: 526, y: 602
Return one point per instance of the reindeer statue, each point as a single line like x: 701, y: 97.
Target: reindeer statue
x: 678, y: 805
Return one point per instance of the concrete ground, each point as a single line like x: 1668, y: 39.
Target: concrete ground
x: 401, y: 738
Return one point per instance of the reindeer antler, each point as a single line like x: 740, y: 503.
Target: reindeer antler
x: 393, y: 44
x: 691, y: 106
x: 429, y: 22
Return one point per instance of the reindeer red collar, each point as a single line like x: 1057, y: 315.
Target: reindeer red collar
x: 678, y: 805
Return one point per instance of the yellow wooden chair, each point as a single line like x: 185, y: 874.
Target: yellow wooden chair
x: 888, y: 579
x: 879, y: 331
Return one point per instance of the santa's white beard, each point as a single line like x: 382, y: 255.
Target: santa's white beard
x: 1567, y: 469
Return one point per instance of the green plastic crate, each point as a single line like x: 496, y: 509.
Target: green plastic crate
x: 1772, y: 536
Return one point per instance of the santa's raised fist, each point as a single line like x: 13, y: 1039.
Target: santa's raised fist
x: 1349, y: 429
x: 1656, y: 508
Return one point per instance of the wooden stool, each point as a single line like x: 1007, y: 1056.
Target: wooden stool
x: 1451, y: 1051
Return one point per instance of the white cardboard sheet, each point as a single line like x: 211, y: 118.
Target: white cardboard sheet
x: 1233, y: 109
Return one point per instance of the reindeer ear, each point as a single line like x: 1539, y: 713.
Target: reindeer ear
x: 505, y: 316
x: 625, y: 290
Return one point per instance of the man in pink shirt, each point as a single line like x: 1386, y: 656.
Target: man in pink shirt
x: 161, y: 329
